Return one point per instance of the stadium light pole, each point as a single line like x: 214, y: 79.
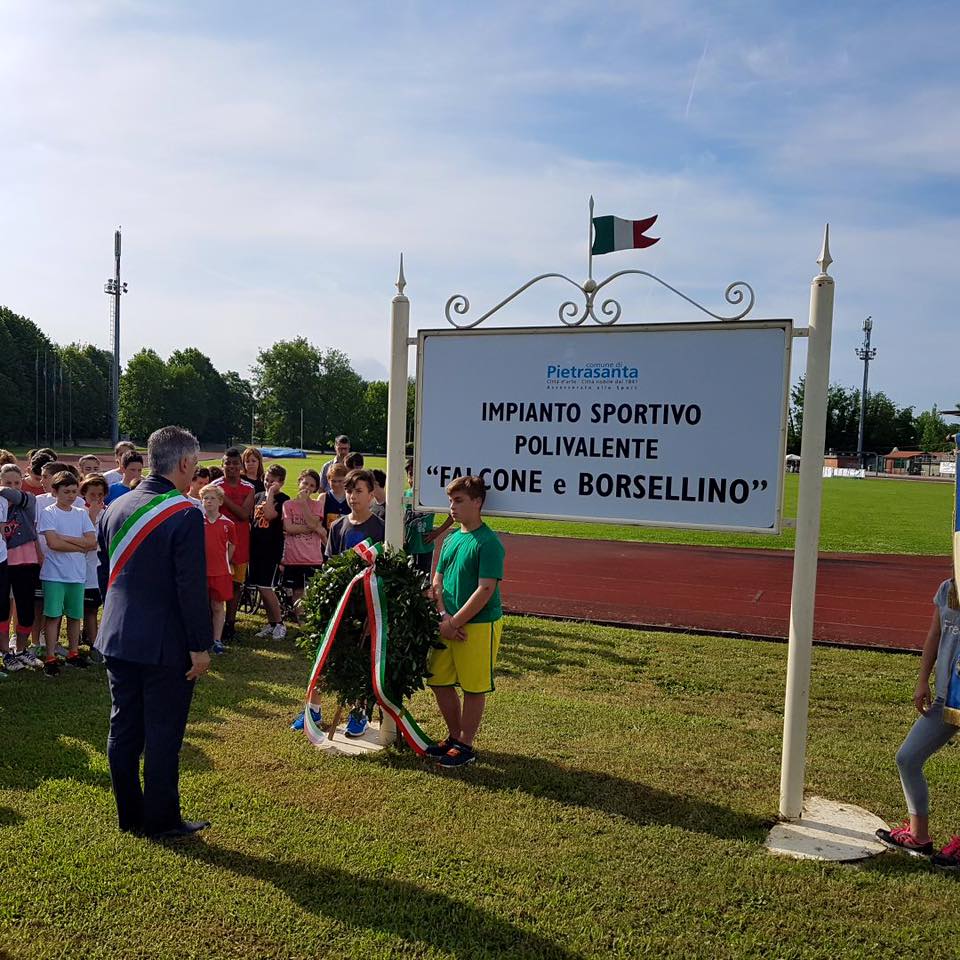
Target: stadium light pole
x: 114, y: 288
x: 866, y: 353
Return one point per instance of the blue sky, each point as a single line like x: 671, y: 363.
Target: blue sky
x: 269, y: 162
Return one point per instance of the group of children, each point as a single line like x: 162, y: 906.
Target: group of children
x: 255, y: 535
x: 49, y: 566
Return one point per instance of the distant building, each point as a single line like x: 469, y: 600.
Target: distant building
x: 915, y: 463
x: 841, y: 460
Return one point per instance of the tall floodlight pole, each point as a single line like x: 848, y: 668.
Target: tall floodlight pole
x: 114, y: 288
x: 806, y: 552
x: 866, y: 353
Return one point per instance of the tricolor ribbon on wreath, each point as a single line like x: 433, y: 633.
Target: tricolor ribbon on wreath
x: 377, y: 618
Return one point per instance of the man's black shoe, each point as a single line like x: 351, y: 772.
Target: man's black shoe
x: 187, y: 828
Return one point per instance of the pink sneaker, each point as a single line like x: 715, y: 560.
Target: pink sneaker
x: 949, y: 857
x: 902, y: 839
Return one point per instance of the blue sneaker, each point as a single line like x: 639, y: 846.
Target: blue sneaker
x: 218, y: 647
x: 459, y: 755
x: 441, y: 747
x: 357, y: 724
x: 317, y: 716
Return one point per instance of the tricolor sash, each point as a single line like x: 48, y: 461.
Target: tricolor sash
x: 951, y: 709
x: 139, y: 525
x: 376, y: 603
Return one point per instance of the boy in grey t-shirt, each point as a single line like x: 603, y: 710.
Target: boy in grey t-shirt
x: 358, y: 525
x: 361, y: 523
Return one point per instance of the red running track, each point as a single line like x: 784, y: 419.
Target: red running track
x: 873, y: 600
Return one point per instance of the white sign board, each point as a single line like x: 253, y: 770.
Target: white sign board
x: 679, y: 425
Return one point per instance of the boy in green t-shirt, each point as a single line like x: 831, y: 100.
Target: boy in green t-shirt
x: 467, y: 591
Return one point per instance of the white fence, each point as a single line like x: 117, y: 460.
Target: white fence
x: 854, y: 472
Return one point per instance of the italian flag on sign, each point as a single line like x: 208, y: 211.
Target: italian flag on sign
x: 612, y: 233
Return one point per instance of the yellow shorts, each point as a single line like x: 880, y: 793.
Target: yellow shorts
x: 239, y: 573
x: 469, y: 663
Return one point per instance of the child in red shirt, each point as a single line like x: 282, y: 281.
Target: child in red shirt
x: 220, y: 540
x: 238, y: 507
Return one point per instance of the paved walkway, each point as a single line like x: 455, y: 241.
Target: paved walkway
x: 874, y: 600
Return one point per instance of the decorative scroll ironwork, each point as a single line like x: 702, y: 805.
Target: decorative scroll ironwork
x: 573, y: 314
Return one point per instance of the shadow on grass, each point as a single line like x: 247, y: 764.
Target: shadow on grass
x: 530, y: 647
x: 607, y: 794
x: 894, y: 864
x: 9, y: 817
x: 81, y: 706
x: 386, y: 905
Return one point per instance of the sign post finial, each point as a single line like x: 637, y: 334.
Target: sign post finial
x: 825, y: 259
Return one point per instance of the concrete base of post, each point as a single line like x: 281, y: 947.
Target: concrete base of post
x: 838, y: 832
x: 342, y: 745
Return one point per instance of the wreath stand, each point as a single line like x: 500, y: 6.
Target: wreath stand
x: 377, y: 736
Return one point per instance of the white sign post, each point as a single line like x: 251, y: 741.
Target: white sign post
x: 678, y: 425
x: 670, y: 425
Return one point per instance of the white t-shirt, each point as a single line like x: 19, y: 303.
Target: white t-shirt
x: 3, y: 539
x: 59, y: 565
x: 43, y: 500
x: 113, y: 476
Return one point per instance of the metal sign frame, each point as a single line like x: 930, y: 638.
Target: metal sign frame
x: 785, y: 325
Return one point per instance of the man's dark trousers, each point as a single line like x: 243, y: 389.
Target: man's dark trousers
x: 149, y: 717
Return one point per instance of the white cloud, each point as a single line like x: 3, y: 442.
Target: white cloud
x: 266, y: 186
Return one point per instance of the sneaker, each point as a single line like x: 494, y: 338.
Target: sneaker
x: 61, y: 651
x: 264, y: 632
x: 30, y: 660
x: 51, y: 668
x: 949, y: 857
x: 316, y: 716
x: 357, y: 723
x: 77, y: 660
x: 279, y: 632
x: 439, y: 749
x: 903, y: 839
x: 96, y: 656
x: 459, y: 755
x: 218, y: 647
x: 11, y: 663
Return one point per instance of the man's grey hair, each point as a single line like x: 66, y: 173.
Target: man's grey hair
x: 168, y: 446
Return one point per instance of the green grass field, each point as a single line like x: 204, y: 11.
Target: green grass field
x: 624, y: 790
x: 858, y: 516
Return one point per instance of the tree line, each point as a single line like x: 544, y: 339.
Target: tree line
x: 886, y: 425
x: 297, y: 394
x: 56, y: 395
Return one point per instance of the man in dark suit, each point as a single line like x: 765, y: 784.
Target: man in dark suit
x: 155, y: 635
